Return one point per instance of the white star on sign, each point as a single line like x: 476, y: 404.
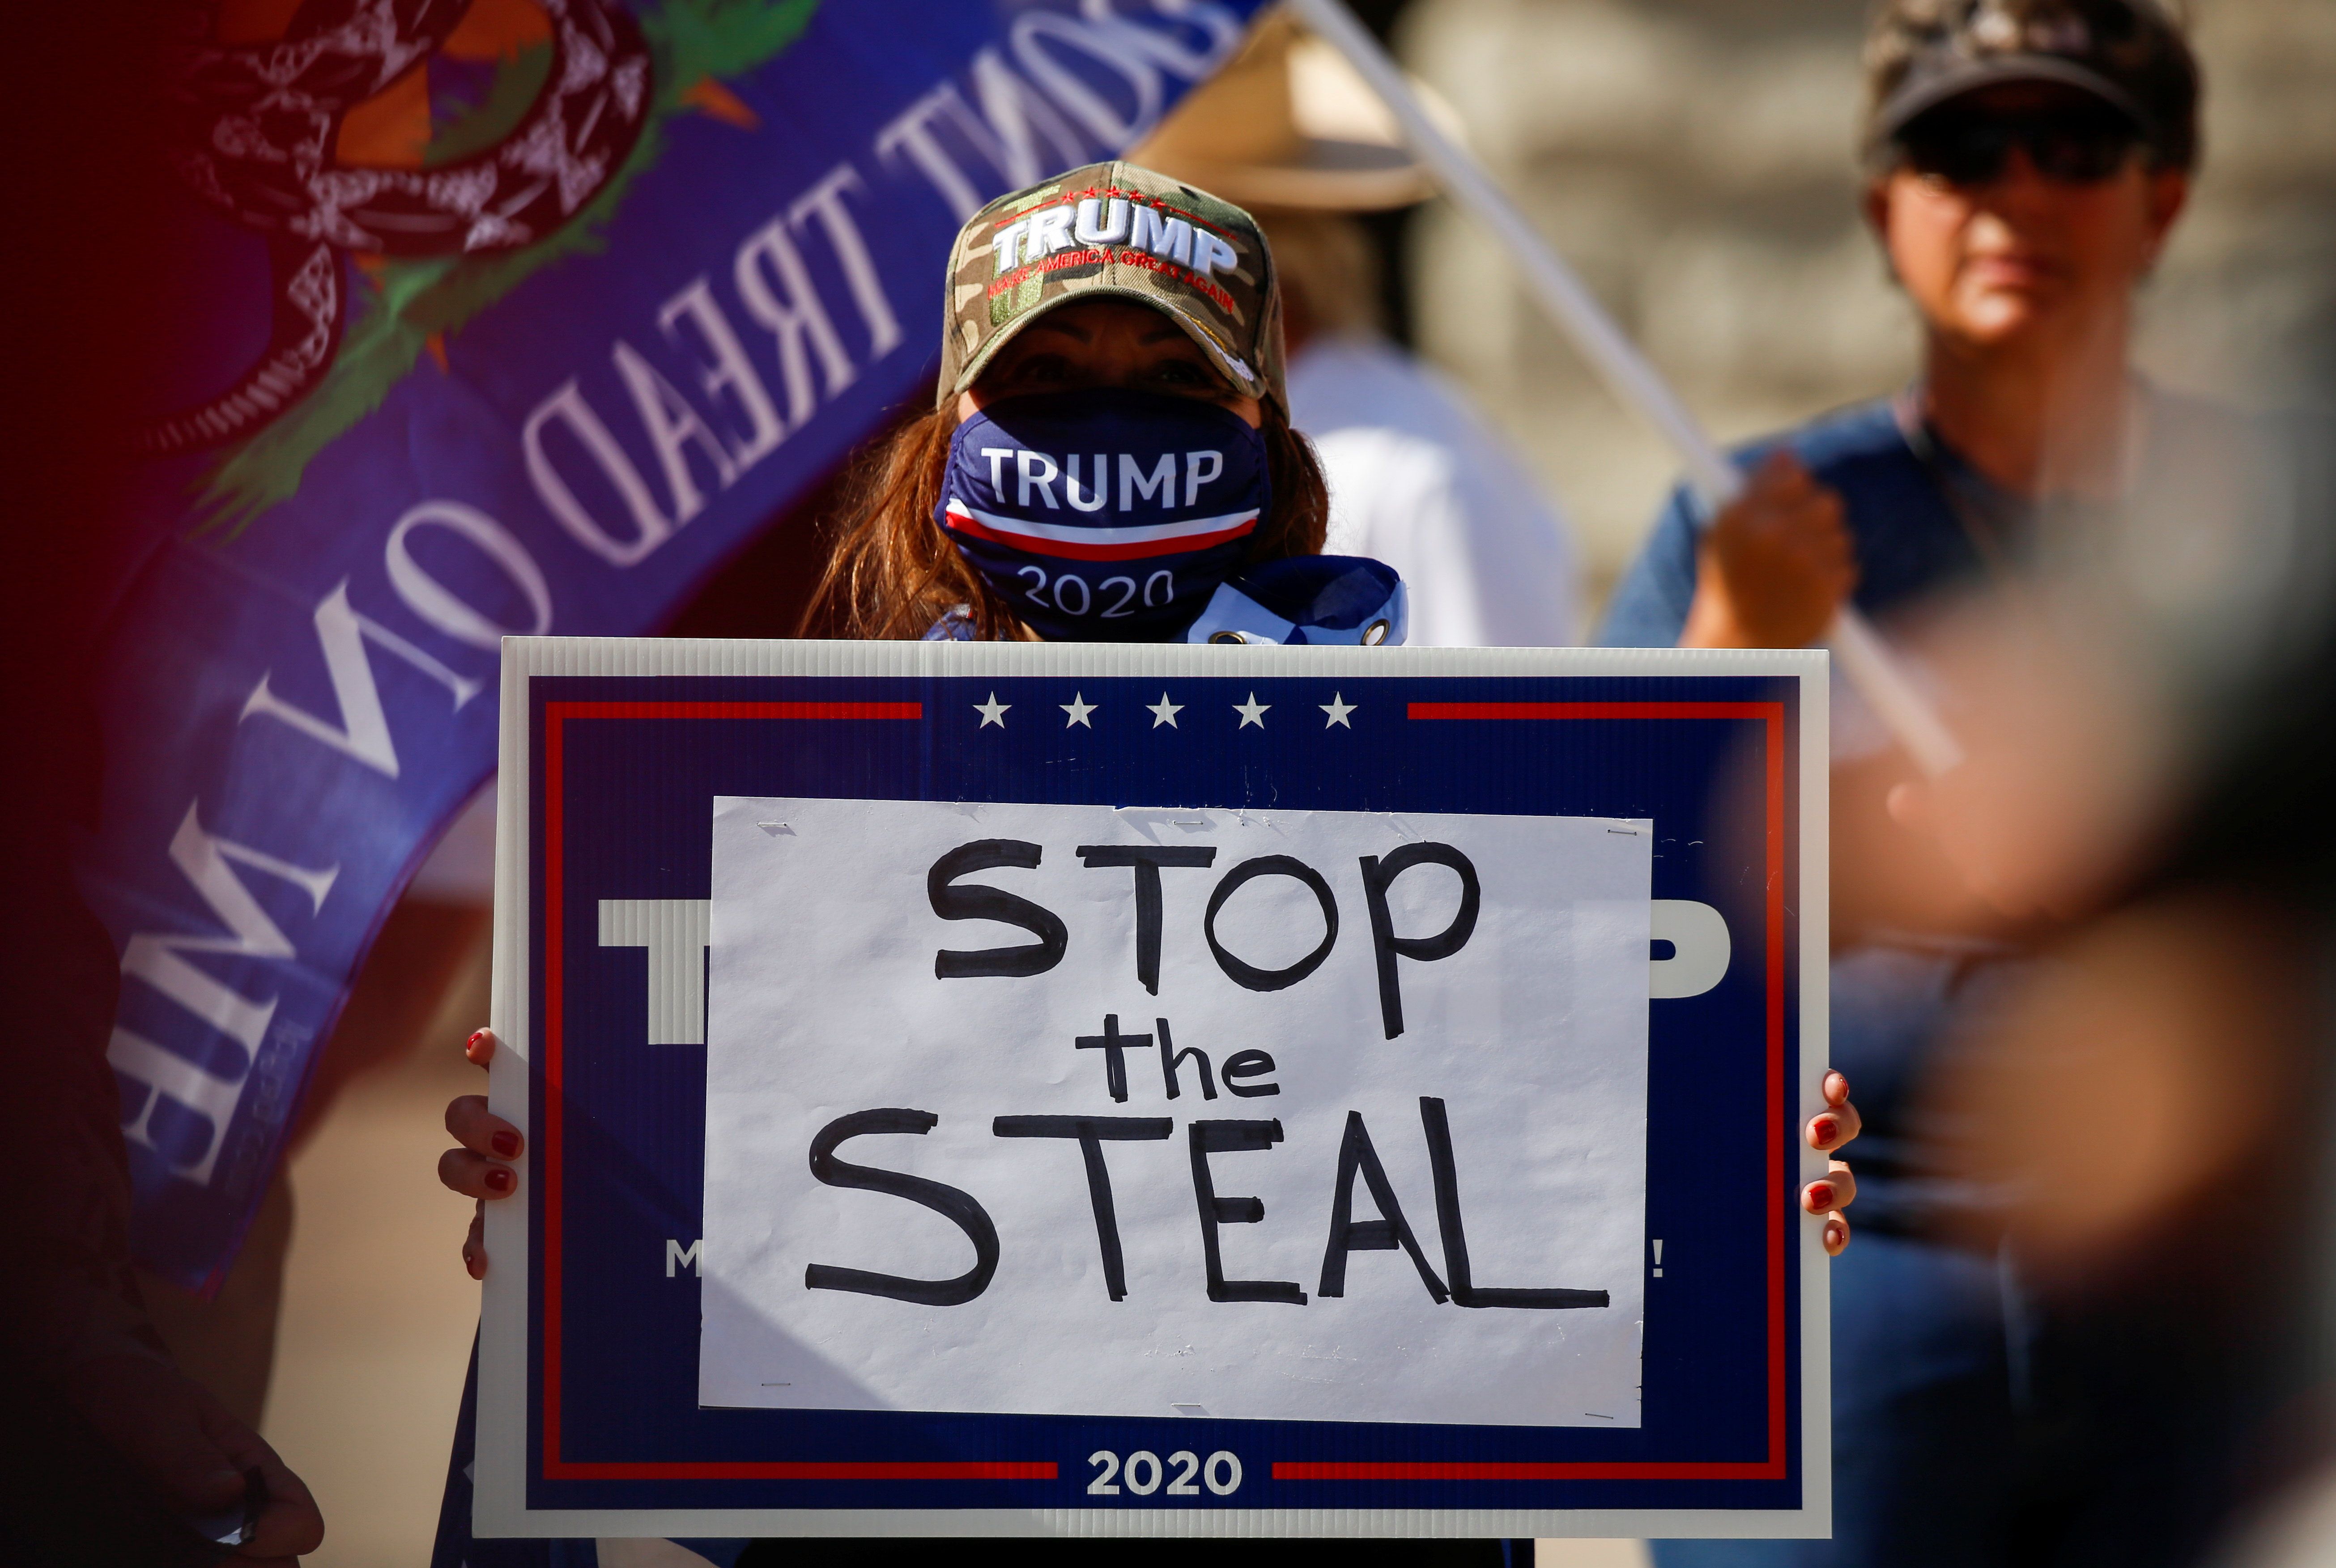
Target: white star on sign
x: 1078, y: 707
x: 1252, y: 711
x: 1338, y: 708
x: 1164, y: 712
x: 992, y: 712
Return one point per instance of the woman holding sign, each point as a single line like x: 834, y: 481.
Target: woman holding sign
x: 1109, y: 458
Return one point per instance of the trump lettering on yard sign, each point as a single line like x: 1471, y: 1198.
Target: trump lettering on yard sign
x: 1071, y: 1110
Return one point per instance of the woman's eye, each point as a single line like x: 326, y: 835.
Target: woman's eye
x: 1180, y: 373
x: 1042, y: 368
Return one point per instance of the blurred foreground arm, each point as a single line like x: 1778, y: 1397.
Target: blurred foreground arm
x: 107, y: 1449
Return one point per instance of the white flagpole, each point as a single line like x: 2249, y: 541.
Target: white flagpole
x: 1865, y: 659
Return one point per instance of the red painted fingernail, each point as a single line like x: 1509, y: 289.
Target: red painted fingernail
x: 506, y: 1144
x: 1825, y: 1131
x: 499, y: 1180
x: 1820, y: 1195
x: 473, y: 1043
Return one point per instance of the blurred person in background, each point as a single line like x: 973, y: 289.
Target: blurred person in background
x: 1418, y: 478
x: 2075, y: 1392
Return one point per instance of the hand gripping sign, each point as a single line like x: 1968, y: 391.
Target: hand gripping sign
x: 1046, y: 1089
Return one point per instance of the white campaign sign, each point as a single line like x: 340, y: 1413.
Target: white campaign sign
x: 1069, y: 1110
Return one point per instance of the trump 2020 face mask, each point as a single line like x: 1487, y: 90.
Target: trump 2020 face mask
x: 1104, y: 515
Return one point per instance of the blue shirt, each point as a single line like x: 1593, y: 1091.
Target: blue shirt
x: 1892, y: 999
x: 1910, y: 542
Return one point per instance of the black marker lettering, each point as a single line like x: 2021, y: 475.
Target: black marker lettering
x: 1348, y: 1235
x: 1170, y: 1058
x: 1113, y: 1045
x: 1091, y: 1132
x: 1249, y: 1065
x: 1465, y: 1290
x: 1224, y: 1138
x: 981, y: 903
x: 1148, y: 860
x: 958, y: 1208
x: 1245, y: 975
x: 1378, y: 875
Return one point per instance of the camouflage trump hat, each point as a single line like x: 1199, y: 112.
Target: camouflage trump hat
x: 1113, y: 230
x: 2130, y: 54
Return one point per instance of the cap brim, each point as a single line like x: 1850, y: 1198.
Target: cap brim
x: 1996, y: 71
x: 1246, y: 378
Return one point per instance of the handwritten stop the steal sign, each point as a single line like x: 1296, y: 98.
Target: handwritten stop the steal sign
x: 1313, y: 1115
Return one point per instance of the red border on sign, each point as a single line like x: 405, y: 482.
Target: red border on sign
x: 550, y: 1143
x: 1777, y: 1465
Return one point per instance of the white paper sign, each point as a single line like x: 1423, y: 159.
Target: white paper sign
x: 1268, y: 1027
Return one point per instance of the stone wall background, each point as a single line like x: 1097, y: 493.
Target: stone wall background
x: 1694, y: 158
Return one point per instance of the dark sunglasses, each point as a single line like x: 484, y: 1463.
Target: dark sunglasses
x: 1967, y: 147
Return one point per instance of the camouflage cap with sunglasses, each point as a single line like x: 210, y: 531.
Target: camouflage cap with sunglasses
x: 1114, y: 231
x: 2128, y: 54
x: 2071, y: 142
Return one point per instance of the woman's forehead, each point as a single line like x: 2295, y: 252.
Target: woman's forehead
x: 1092, y: 318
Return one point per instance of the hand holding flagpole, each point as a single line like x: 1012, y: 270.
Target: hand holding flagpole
x: 1864, y: 659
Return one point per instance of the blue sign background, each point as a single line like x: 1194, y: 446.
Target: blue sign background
x: 633, y: 803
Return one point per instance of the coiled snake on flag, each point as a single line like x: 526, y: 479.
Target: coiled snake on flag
x: 254, y: 128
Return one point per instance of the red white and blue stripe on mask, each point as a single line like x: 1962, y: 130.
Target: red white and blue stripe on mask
x: 1120, y: 516
x: 1104, y: 514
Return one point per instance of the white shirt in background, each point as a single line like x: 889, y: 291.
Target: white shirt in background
x: 1420, y: 481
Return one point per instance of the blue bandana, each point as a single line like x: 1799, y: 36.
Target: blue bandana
x: 1308, y: 599
x: 1104, y: 515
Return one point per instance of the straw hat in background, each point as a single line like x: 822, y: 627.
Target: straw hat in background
x: 1289, y: 124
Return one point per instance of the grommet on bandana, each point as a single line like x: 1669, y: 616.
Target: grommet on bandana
x: 1310, y: 599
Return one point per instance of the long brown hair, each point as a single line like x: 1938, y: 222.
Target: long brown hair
x: 894, y: 574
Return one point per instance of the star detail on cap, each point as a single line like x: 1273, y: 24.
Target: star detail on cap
x: 1078, y: 707
x: 1164, y: 712
x: 1338, y: 708
x: 1252, y: 711
x: 992, y: 712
